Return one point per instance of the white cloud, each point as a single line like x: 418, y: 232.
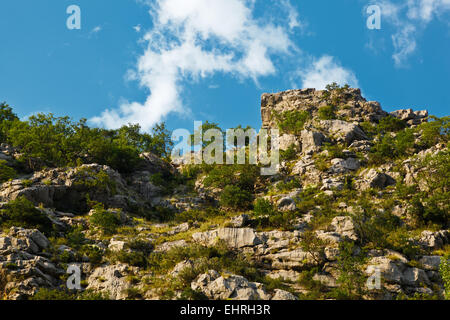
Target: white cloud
x: 326, y: 70
x: 409, y: 18
x: 193, y: 40
x: 137, y: 28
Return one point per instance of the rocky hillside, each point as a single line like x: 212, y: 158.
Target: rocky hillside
x: 358, y: 210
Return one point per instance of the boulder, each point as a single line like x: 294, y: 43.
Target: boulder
x: 228, y: 287
x: 240, y: 221
x: 110, y: 280
x: 343, y: 131
x: 391, y: 271
x: 281, y: 295
x: 345, y: 227
x: 344, y: 165
x: 182, y: 267
x: 430, y: 262
x: 374, y: 179
x: 311, y: 141
x: 415, y: 277
x: 233, y: 237
x: 434, y: 240
x: 286, y: 140
x: 286, y: 204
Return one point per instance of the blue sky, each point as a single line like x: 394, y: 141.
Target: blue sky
x: 185, y: 60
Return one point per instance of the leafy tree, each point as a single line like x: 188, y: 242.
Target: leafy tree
x: 6, y: 172
x: 6, y: 118
x: 58, y: 141
x: 234, y: 197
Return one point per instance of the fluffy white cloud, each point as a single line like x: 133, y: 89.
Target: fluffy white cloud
x: 325, y: 71
x: 192, y: 40
x: 409, y: 17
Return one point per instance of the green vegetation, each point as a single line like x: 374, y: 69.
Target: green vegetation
x: 327, y: 113
x: 46, y: 140
x: 6, y: 172
x: 292, y: 122
x: 234, y: 197
x: 263, y: 207
x: 444, y: 270
x: 63, y: 294
x: 22, y: 213
x: 289, y: 154
x: 108, y: 221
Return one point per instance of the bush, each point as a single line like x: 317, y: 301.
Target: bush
x: 391, y: 148
x: 289, y: 154
x: 444, y: 270
x: 327, y: 113
x: 135, y: 259
x: 292, y: 121
x: 106, y: 220
x: 234, y: 197
x: 390, y: 124
x: 435, y: 131
x: 263, y: 207
x: 6, y: 172
x: 22, y: 213
x: 242, y: 176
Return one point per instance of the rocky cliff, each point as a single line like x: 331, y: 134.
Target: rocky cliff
x: 361, y: 198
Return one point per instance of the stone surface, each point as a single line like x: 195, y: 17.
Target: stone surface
x: 228, y: 287
x: 233, y: 237
x: 111, y: 280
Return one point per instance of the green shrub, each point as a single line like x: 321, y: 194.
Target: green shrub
x: 435, y: 131
x: 391, y: 148
x: 242, y: 176
x: 327, y: 113
x: 289, y: 154
x: 135, y: 259
x: 292, y: 121
x: 351, y: 281
x: 390, y: 124
x: 198, y: 215
x: 94, y: 254
x: 22, y: 213
x: 106, y: 220
x: 444, y: 271
x: 234, y: 197
x: 263, y: 207
x: 285, y: 186
x: 6, y: 172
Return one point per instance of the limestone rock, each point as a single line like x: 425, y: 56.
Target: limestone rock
x: 311, y: 141
x: 434, y: 240
x: 232, y: 287
x: 374, y: 179
x: 286, y: 204
x: 343, y: 131
x: 233, y: 237
x: 283, y: 295
x: 286, y: 140
x: 110, y: 280
x: 345, y: 227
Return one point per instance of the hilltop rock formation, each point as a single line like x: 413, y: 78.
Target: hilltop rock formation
x: 361, y: 193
